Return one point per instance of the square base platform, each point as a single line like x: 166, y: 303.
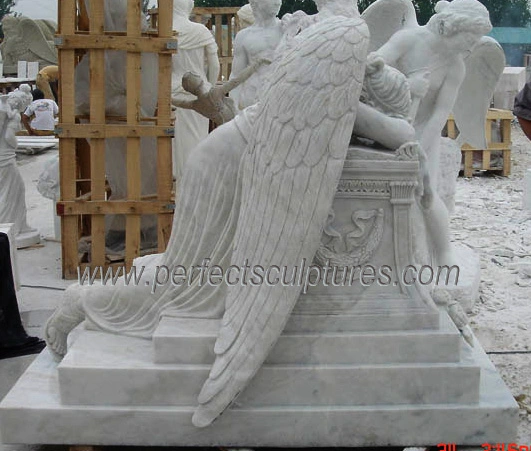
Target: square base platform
x: 34, y: 403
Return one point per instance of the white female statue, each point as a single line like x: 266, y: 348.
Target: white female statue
x: 256, y: 42
x: 198, y: 53
x: 12, y: 190
x: 450, y: 66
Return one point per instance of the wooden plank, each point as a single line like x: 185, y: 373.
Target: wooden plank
x: 506, y: 172
x: 67, y: 147
x: 97, y: 145
x: 93, y: 131
x: 137, y: 45
x: 164, y: 144
x: 485, y: 160
x: 122, y: 207
x: 134, y: 174
x: 218, y: 21
x: 469, y: 163
x: 216, y: 10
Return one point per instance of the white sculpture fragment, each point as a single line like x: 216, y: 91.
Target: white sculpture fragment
x: 253, y: 43
x: 198, y: 53
x: 451, y: 66
x: 12, y: 190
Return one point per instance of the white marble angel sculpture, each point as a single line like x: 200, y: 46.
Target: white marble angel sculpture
x: 197, y: 53
x: 451, y: 66
x: 260, y: 40
x: 258, y: 189
x: 12, y: 189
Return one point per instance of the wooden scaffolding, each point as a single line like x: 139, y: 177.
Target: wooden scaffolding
x: 84, y: 200
x: 224, y: 23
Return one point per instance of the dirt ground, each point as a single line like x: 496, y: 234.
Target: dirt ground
x: 490, y: 218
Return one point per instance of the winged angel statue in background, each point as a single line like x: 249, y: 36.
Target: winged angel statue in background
x: 451, y: 67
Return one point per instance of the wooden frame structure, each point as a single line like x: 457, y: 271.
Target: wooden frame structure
x: 496, y: 119
x: 214, y: 19
x: 84, y: 203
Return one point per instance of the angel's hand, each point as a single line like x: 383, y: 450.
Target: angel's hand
x: 419, y: 84
x: 375, y: 63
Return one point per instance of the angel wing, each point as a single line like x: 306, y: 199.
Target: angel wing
x: 36, y: 41
x: 484, y: 67
x: 385, y: 17
x: 289, y: 176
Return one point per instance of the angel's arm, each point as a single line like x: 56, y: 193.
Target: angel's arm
x: 240, y: 60
x: 400, y: 43
x: 213, y: 66
x: 444, y: 103
x: 186, y: 104
x: 244, y: 75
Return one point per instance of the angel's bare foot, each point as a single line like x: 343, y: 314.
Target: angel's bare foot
x: 63, y: 321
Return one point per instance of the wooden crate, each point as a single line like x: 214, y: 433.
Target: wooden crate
x: 497, y: 120
x: 84, y: 205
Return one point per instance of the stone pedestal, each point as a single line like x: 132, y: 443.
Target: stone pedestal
x: 364, y: 364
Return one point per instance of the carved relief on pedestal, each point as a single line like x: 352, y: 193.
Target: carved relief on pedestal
x: 351, y: 244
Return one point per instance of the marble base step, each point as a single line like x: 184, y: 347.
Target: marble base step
x: 34, y: 402
x: 329, y: 312
x: 102, y: 369
x: 188, y: 341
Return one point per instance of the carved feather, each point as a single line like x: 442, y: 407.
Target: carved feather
x: 289, y: 175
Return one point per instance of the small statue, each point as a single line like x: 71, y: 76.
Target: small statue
x: 213, y: 103
x: 12, y: 190
x: 198, y: 53
x: 257, y: 41
x: 27, y: 40
x: 450, y: 66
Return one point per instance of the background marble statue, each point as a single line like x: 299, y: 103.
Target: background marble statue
x: 27, y: 40
x: 12, y: 190
x: 258, y: 41
x: 450, y: 66
x: 245, y: 14
x: 198, y: 53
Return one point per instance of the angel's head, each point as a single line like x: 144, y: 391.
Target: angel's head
x: 183, y: 7
x: 193, y: 83
x: 265, y: 9
x: 464, y: 21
